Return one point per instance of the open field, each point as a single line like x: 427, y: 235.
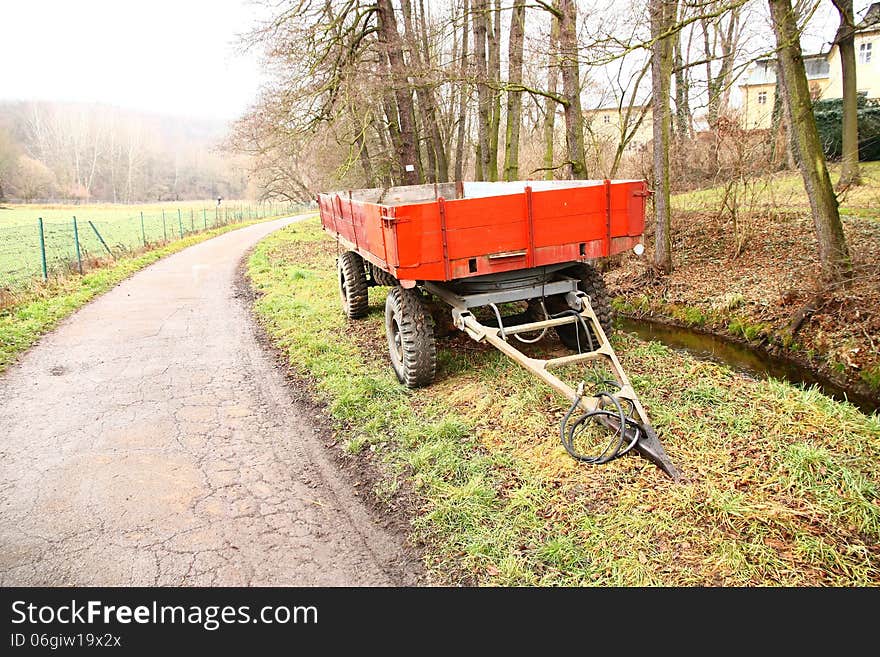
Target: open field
x: 120, y: 226
x: 785, y: 191
x: 781, y: 485
x: 33, y: 311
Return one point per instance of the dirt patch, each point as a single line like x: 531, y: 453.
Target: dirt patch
x: 364, y: 471
x: 769, y: 296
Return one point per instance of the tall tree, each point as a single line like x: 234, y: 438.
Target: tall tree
x: 514, y: 95
x: 845, y: 40
x: 389, y: 37
x: 662, y: 36
x: 419, y: 54
x: 464, y: 93
x: 571, y: 89
x: 683, y: 118
x: 833, y: 251
x: 494, y: 52
x: 484, y: 100
x: 550, y: 103
x: 722, y: 32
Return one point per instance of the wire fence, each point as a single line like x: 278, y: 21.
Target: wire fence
x: 30, y: 252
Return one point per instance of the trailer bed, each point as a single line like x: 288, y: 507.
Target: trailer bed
x: 451, y: 231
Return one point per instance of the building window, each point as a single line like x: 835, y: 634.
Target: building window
x: 865, y: 53
x: 762, y: 98
x: 606, y: 118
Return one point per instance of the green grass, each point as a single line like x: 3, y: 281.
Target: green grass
x: 40, y: 308
x: 119, y: 225
x: 785, y: 191
x: 781, y: 484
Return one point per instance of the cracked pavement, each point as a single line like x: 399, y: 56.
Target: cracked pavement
x: 150, y: 440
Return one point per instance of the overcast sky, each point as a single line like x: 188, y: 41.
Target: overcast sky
x: 167, y: 56
x: 176, y: 57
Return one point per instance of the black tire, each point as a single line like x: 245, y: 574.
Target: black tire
x: 353, y: 285
x: 591, y: 283
x: 409, y: 328
x: 382, y: 277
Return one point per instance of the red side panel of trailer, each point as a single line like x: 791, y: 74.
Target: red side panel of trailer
x: 446, y: 239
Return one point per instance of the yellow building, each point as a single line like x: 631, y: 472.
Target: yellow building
x: 867, y: 39
x: 607, y: 124
x: 823, y: 74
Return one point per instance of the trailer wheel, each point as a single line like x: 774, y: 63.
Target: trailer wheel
x: 409, y: 328
x: 592, y: 284
x: 382, y: 277
x: 353, y: 285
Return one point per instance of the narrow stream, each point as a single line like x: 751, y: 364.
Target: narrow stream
x: 741, y: 358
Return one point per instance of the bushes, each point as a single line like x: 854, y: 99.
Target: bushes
x: 829, y: 121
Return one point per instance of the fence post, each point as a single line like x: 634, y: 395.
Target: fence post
x: 164, y: 229
x: 76, y: 243
x: 205, y: 217
x: 101, y: 239
x: 192, y: 219
x: 143, y: 232
x: 180, y: 223
x: 43, y: 251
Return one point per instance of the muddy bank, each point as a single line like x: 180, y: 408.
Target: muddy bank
x: 770, y: 297
x: 743, y: 357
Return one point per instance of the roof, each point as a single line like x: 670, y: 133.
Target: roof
x: 612, y: 108
x: 871, y: 21
x: 764, y: 70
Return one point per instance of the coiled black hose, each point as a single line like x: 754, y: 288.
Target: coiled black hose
x: 617, y: 446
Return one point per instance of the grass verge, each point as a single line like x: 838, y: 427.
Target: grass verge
x: 39, y: 309
x: 781, y: 484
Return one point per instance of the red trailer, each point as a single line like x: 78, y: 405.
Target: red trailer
x: 478, y: 244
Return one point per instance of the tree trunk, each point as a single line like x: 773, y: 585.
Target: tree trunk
x: 682, y: 106
x: 845, y: 39
x: 438, y: 166
x: 440, y: 150
x: 364, y: 155
x: 708, y: 56
x: 549, y: 102
x: 514, y: 98
x: 481, y: 18
x: 494, y: 42
x: 571, y: 89
x: 464, y: 93
x: 833, y: 252
x: 388, y: 105
x: 682, y: 103
x: 407, y: 156
x: 662, y: 18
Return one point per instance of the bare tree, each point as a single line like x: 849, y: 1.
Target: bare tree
x: 833, y: 251
x: 390, y: 40
x: 494, y: 60
x: 464, y: 93
x: 514, y: 95
x: 662, y: 22
x: 571, y: 88
x: 9, y: 154
x: 722, y: 26
x: 484, y: 100
x: 845, y: 40
x: 550, y: 103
